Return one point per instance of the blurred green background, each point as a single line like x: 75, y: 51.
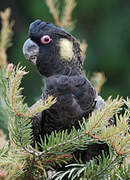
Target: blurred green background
x: 104, y: 24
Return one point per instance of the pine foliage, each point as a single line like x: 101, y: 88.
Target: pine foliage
x: 19, y: 160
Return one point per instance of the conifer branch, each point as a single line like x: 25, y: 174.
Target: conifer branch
x: 67, y: 13
x: 5, y: 36
x: 14, y: 91
x: 83, y: 46
x: 58, y: 158
x: 103, y: 170
x: 90, y: 170
x: 52, y: 4
x: 20, y: 128
x: 40, y: 106
x: 98, y: 79
x: 103, y: 115
x: 16, y: 99
x: 86, y: 131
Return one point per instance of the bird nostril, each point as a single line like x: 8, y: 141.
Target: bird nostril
x: 30, y: 50
x: 33, y: 59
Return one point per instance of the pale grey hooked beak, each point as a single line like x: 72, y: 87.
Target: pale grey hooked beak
x: 30, y: 50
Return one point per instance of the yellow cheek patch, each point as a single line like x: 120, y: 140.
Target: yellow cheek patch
x: 66, y: 49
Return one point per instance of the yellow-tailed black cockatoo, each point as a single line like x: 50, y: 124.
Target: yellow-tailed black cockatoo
x: 57, y: 55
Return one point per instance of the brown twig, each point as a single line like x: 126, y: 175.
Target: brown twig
x: 115, y: 148
x: 90, y: 130
x: 93, y: 136
x: 64, y: 156
x: 123, y: 146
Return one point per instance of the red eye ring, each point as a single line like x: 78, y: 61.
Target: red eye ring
x: 45, y: 39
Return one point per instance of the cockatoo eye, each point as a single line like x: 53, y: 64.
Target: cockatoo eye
x: 46, y: 39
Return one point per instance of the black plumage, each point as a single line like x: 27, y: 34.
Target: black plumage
x: 56, y: 54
